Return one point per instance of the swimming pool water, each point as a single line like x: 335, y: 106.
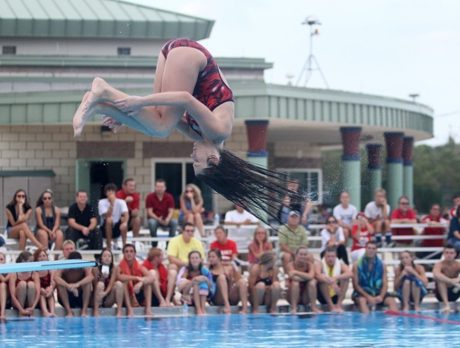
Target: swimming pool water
x: 347, y: 330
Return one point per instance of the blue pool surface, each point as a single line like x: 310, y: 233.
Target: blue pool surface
x: 346, y: 330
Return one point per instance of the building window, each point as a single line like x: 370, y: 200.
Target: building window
x: 310, y: 179
x: 9, y: 50
x: 124, y: 51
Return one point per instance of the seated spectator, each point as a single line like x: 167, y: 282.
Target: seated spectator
x: 18, y: 213
x: 219, y: 278
x: 332, y: 235
x: 259, y: 245
x: 291, y: 237
x: 68, y: 247
x: 283, y: 211
x: 107, y: 289
x: 179, y: 249
x: 378, y: 214
x: 345, y: 213
x: 47, y: 286
x: 160, y: 209
x: 370, y: 281
x: 455, y: 205
x: 239, y: 217
x: 446, y: 273
x: 432, y: 219
x: 24, y: 288
x: 453, y: 238
x: 404, y: 214
x: 410, y: 282
x: 137, y: 282
x: 74, y: 286
x: 264, y: 287
x: 333, y: 278
x: 231, y: 286
x: 48, y: 218
x: 153, y: 263
x: 132, y: 199
x: 82, y: 222
x: 226, y: 246
x: 114, y: 214
x: 301, y: 284
x: 4, y: 295
x: 191, y: 207
x: 195, y: 283
x: 361, y: 233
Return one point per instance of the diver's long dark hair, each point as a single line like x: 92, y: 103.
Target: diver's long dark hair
x: 256, y: 189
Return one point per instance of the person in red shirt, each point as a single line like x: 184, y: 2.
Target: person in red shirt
x: 226, y: 246
x: 404, y: 214
x: 361, y: 233
x: 132, y: 198
x: 160, y: 208
x: 434, y: 218
x: 160, y: 285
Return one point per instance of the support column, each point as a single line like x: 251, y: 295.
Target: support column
x: 374, y: 168
x: 257, y: 142
x: 408, y: 169
x: 351, y: 165
x: 394, y: 145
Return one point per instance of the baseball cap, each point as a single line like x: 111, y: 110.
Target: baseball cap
x: 294, y: 212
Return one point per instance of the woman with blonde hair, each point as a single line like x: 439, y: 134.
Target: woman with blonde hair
x: 191, y: 207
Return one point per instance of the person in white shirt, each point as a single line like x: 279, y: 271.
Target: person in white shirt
x: 240, y: 217
x: 378, y: 214
x: 345, y: 213
x: 114, y: 214
x: 333, y: 236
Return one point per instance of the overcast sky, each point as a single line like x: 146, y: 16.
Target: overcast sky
x: 385, y: 47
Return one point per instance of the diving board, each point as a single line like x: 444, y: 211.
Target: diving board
x: 45, y: 265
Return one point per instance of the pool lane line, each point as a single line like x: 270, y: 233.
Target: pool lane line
x: 420, y: 316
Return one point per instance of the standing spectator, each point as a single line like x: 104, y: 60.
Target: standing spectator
x: 361, y: 233
x: 370, y: 281
x: 291, y: 237
x: 404, y: 214
x: 18, y: 213
x: 456, y: 204
x: 160, y: 209
x: 432, y: 219
x: 24, y: 288
x: 107, y: 289
x: 302, y: 283
x: 239, y: 217
x: 264, y: 286
x: 114, y: 214
x: 137, y: 281
x: 345, y: 213
x: 410, y: 282
x: 191, y: 207
x: 333, y: 279
x: 453, y: 238
x: 4, y: 296
x: 446, y: 273
x: 48, y: 219
x: 132, y: 199
x: 302, y: 206
x: 47, y: 286
x: 285, y: 208
x: 153, y: 263
x: 74, y: 285
x: 259, y: 245
x: 332, y: 236
x: 226, y: 246
x: 82, y: 222
x: 179, y: 249
x: 378, y: 213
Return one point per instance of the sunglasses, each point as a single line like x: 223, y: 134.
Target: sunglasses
x: 47, y: 198
x: 21, y: 196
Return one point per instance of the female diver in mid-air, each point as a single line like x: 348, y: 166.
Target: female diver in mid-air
x: 191, y: 95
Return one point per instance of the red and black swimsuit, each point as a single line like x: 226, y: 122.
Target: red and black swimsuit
x: 210, y: 87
